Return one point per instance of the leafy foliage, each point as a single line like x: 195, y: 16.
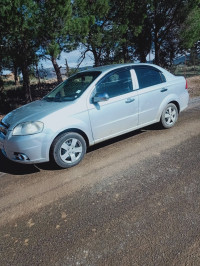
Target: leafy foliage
x: 114, y: 31
x: 190, y: 32
x: 19, y: 35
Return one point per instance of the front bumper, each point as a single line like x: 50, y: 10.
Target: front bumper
x: 28, y: 149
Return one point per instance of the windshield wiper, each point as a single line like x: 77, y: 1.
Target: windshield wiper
x: 48, y: 99
x: 59, y: 99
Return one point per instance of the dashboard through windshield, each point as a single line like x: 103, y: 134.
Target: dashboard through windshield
x: 73, y: 87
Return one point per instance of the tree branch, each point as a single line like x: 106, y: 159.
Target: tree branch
x: 82, y: 58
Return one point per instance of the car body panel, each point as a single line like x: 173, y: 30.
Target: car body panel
x: 115, y: 116
x: 96, y: 121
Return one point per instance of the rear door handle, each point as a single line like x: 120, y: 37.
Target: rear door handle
x: 164, y: 89
x: 129, y: 100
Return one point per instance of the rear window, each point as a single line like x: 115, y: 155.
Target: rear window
x: 149, y: 77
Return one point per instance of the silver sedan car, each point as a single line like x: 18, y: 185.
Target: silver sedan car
x: 90, y: 107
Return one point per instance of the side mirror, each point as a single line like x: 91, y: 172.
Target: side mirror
x: 100, y: 97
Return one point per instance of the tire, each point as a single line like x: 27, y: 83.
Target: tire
x: 68, y: 149
x: 169, y: 116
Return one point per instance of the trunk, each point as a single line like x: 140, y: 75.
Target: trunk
x: 96, y: 58
x: 195, y: 58
x: 57, y: 69
x: 125, y: 54
x: 143, y: 57
x: 156, y: 33
x: 15, y: 72
x: 38, y: 76
x: 171, y: 58
x: 26, y: 83
x: 1, y: 84
x: 67, y: 68
x: 1, y: 81
x: 157, y: 52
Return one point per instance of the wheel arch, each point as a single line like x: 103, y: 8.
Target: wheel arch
x: 75, y: 130
x: 170, y: 99
x: 56, y: 160
x: 177, y: 105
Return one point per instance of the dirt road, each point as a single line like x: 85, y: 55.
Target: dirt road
x: 134, y: 200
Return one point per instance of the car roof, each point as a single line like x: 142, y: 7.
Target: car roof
x: 107, y: 68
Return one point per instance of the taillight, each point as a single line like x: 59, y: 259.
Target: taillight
x: 186, y: 85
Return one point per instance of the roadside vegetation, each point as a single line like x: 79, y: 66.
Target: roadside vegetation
x: 12, y: 96
x: 113, y: 31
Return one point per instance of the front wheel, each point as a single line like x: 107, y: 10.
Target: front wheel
x: 169, y: 116
x: 68, y: 149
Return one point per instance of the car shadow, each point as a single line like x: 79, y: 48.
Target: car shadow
x: 152, y: 127
x: 123, y: 137
x: 113, y: 140
x: 10, y: 167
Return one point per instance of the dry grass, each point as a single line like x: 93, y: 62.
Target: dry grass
x: 194, y: 86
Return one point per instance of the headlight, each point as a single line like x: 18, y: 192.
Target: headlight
x: 28, y: 128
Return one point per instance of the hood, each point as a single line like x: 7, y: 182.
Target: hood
x: 34, y: 111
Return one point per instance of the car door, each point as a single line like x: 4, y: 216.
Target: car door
x: 119, y: 113
x: 152, y: 91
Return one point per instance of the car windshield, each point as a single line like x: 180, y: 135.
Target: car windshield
x: 73, y: 87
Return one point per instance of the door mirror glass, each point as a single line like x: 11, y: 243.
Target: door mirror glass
x: 100, y: 97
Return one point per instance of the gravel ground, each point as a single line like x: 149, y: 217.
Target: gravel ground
x: 134, y: 200
x: 194, y: 86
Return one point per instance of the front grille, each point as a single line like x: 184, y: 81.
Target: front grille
x: 4, y: 128
x: 6, y: 125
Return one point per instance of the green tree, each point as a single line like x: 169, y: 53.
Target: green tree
x: 166, y: 18
x: 142, y: 43
x: 128, y: 21
x: 190, y: 31
x: 19, y: 30
x: 94, y: 35
x: 112, y: 33
x: 55, y: 26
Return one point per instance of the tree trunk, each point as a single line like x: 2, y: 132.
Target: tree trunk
x: 96, y: 58
x: 157, y: 52
x: 143, y: 57
x: 1, y: 81
x: 67, y: 68
x: 26, y: 83
x: 156, y: 33
x: 1, y: 84
x: 38, y: 76
x: 15, y: 72
x: 57, y: 69
x: 125, y: 53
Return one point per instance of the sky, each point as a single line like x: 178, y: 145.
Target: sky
x: 73, y: 58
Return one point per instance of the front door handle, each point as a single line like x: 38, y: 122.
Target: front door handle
x: 164, y: 89
x: 129, y: 100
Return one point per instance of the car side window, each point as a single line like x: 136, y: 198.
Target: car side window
x: 116, y: 84
x: 149, y: 77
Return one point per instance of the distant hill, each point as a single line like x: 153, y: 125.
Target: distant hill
x: 181, y: 59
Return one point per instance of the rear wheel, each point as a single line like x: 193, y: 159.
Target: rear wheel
x: 68, y: 149
x: 169, y: 116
